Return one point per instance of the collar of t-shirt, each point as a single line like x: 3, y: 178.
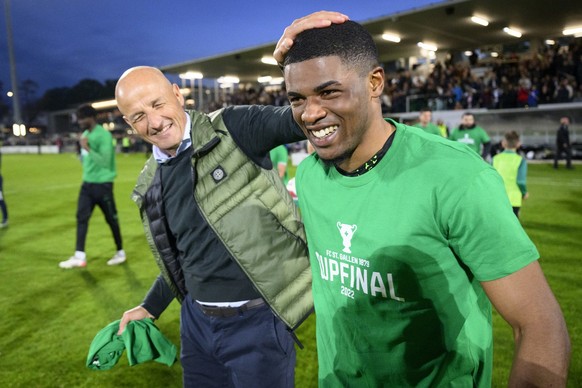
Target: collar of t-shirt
x: 372, y: 162
x: 161, y: 157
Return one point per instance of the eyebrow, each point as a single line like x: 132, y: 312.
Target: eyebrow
x: 317, y: 89
x: 324, y: 85
x: 152, y: 103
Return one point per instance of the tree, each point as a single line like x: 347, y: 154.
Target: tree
x: 87, y: 90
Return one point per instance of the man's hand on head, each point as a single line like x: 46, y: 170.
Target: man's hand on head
x: 318, y: 19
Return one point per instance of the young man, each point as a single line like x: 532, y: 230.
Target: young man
x: 224, y: 232
x: 425, y: 122
x: 410, y: 236
x: 513, y: 169
x: 98, y: 158
x: 472, y: 135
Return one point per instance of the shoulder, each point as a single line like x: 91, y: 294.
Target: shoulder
x: 446, y: 156
x: 310, y: 163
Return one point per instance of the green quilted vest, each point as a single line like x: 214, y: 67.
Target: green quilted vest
x: 252, y: 213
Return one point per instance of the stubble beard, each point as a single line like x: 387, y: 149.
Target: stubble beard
x: 338, y: 159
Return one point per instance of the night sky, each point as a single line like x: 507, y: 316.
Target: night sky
x: 57, y: 43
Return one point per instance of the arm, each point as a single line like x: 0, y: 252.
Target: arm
x: 157, y: 299
x: 258, y: 129
x: 84, y: 143
x: 486, y: 150
x: 279, y: 157
x: 521, y: 178
x: 315, y: 20
x: 542, y: 345
x: 281, y: 167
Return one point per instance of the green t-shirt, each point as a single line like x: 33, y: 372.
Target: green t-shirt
x: 280, y: 155
x: 99, y: 162
x: 429, y: 128
x: 474, y: 137
x: 397, y: 255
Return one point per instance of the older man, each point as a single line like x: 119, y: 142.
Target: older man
x: 224, y: 232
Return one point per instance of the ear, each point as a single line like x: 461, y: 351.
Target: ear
x: 376, y: 79
x: 179, y: 96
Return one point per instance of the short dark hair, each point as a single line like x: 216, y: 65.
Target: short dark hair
x: 349, y: 41
x: 86, y: 110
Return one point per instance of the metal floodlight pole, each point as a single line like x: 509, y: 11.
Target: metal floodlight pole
x: 13, y: 79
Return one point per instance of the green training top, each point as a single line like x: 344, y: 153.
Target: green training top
x: 99, y: 162
x: 474, y: 137
x: 429, y: 128
x: 280, y: 155
x: 397, y: 255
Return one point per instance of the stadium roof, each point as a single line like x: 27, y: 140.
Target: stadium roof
x: 447, y: 25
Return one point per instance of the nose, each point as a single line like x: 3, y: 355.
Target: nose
x: 155, y: 122
x: 312, y: 112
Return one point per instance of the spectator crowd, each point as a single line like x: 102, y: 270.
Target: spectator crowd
x: 552, y: 74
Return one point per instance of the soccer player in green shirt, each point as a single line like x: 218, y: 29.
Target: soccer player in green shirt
x: 411, y: 236
x: 279, y: 157
x: 424, y: 122
x: 472, y: 135
x: 99, y: 171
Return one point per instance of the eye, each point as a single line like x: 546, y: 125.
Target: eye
x: 329, y: 92
x: 137, y: 118
x: 295, y: 101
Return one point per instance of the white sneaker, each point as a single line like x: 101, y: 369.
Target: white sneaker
x: 4, y: 224
x: 73, y: 262
x: 117, y: 259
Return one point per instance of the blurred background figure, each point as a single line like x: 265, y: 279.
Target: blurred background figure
x: 563, y: 143
x: 472, y: 135
x: 443, y: 128
x: 3, y: 208
x: 513, y: 169
x: 425, y: 122
x: 279, y: 157
x: 99, y: 171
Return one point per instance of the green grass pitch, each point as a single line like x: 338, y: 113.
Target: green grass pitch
x: 50, y: 315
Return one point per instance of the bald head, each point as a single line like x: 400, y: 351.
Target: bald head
x: 132, y: 78
x: 152, y: 106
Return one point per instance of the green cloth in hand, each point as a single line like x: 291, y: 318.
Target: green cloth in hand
x: 142, y: 340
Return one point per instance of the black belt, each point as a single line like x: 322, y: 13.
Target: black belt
x: 225, y: 312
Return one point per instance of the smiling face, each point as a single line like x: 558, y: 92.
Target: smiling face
x: 338, y: 109
x: 152, y: 107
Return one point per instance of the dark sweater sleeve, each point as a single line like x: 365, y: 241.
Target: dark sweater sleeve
x: 158, y: 297
x: 259, y: 128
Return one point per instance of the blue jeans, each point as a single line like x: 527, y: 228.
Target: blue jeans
x: 252, y: 349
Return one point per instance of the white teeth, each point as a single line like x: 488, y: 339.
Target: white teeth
x: 325, y: 131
